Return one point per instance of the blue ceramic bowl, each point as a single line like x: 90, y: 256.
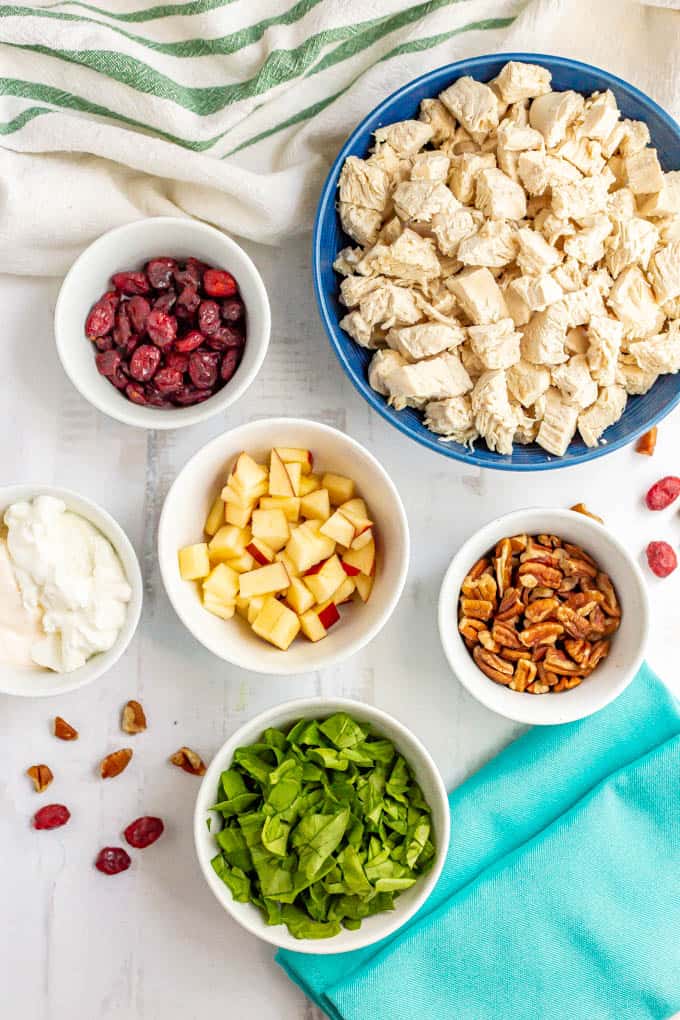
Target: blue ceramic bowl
x: 641, y: 412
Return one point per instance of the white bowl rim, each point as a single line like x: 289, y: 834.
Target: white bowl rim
x: 124, y: 550
x: 322, y: 661
x: 303, y: 707
x: 165, y: 418
x: 485, y: 693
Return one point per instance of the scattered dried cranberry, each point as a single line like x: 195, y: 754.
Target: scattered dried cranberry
x: 230, y: 363
x: 203, y: 366
x: 143, y: 832
x: 144, y: 362
x: 661, y: 558
x: 232, y: 310
x: 161, y: 327
x: 108, y: 362
x: 208, y: 317
x: 131, y: 283
x: 160, y: 272
x: 52, y: 816
x: 219, y: 283
x: 100, y: 319
x: 663, y: 493
x: 138, y: 309
x: 112, y: 860
x: 189, y: 342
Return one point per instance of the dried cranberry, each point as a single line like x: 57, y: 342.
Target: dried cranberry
x: 190, y: 395
x: 135, y: 393
x: 143, y: 832
x: 663, y: 493
x: 130, y: 346
x: 232, y: 310
x: 144, y: 362
x: 190, y: 342
x: 131, y: 283
x: 190, y: 275
x: 168, y: 380
x: 225, y: 337
x: 112, y: 860
x: 161, y: 327
x: 52, y: 816
x: 104, y: 343
x: 230, y: 362
x: 187, y: 302
x: 123, y: 328
x: 119, y: 379
x: 100, y: 320
x: 108, y: 362
x: 138, y: 309
x: 177, y: 360
x: 208, y: 317
x: 203, y: 366
x: 156, y: 399
x: 661, y: 558
x: 160, y: 272
x: 218, y: 283
x: 165, y: 302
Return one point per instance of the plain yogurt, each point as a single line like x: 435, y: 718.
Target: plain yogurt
x: 20, y: 627
x: 68, y: 572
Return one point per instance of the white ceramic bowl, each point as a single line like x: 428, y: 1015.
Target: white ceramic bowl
x: 37, y: 683
x: 187, y: 505
x: 129, y: 247
x: 612, y: 675
x: 427, y: 776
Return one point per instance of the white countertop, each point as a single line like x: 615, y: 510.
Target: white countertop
x: 153, y: 944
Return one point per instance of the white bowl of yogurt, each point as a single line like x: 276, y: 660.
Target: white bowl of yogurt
x: 70, y: 591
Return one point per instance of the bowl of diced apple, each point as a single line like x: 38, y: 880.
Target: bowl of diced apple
x: 283, y: 546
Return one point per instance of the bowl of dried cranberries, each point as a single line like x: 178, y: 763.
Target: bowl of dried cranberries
x: 162, y: 323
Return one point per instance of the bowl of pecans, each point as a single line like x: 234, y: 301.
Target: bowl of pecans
x: 543, y: 616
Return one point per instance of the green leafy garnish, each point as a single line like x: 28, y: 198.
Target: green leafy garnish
x: 323, y: 825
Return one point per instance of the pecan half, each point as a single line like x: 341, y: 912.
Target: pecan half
x: 505, y: 634
x: 647, y: 444
x: 581, y: 508
x: 610, y: 603
x: 511, y: 605
x: 503, y: 565
x: 477, y: 609
x: 575, y: 626
x: 532, y: 573
x: 487, y: 641
x: 470, y: 628
x: 115, y: 763
x: 541, y: 634
x: 557, y: 662
x: 64, y: 730
x: 525, y: 673
x: 515, y: 654
x: 579, y: 650
x: 542, y: 609
x: 133, y: 719
x: 191, y: 762
x: 538, y: 688
x: 41, y: 776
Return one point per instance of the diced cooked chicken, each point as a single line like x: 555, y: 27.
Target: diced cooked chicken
x: 382, y: 364
x: 576, y: 200
x: 600, y: 115
x: 553, y: 228
x: 354, y: 288
x: 587, y: 244
x: 434, y: 113
x: 583, y: 153
x: 581, y: 305
x: 431, y: 166
x: 671, y: 309
x: 464, y: 170
x: 522, y: 81
x: 390, y: 305
x: 635, y: 137
x: 569, y: 275
x: 643, y: 172
x: 405, y: 136
x: 621, y: 205
x: 538, y: 171
x: 526, y: 428
x: 474, y: 105
x: 527, y: 382
x: 494, y: 416
x: 552, y: 113
x: 494, y: 245
x: 669, y: 229
x: 498, y: 196
x: 665, y: 202
x: 479, y: 296
x: 411, y: 258
x: 574, y: 381
x: 424, y: 340
x: 558, y: 424
x: 390, y: 231
x: 664, y: 272
x: 632, y: 301
x: 606, y: 410
x: 441, y: 307
x: 346, y: 261
x: 537, y: 292
x: 543, y: 338
x: 452, y: 418
x: 661, y: 353
x: 363, y: 184
x: 421, y: 200
x: 634, y: 379
x: 363, y: 225
x: 576, y: 341
x: 536, y: 256
x: 359, y: 330
x: 497, y: 345
x: 632, y: 243
x: 451, y: 228
x: 432, y: 379
x: 605, y: 336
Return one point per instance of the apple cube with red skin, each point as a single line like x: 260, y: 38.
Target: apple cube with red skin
x: 228, y: 542
x: 339, y: 528
x: 362, y: 539
x: 260, y: 551
x: 291, y: 455
x: 284, y: 479
x: 324, y: 582
x: 363, y: 559
x: 311, y: 626
x: 328, y: 614
x: 345, y: 591
x: 264, y: 581
x: 272, y: 527
x: 276, y: 623
x: 364, y: 586
x: 284, y: 558
x: 307, y: 546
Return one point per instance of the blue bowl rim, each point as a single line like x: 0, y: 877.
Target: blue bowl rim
x: 375, y: 400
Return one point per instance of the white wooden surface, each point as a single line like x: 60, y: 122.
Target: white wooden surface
x: 152, y: 943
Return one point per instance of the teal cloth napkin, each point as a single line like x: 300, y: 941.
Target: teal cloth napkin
x: 560, y: 896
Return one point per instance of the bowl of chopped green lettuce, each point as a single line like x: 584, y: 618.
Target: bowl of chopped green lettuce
x: 322, y: 825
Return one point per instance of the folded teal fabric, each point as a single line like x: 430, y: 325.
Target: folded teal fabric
x: 560, y: 896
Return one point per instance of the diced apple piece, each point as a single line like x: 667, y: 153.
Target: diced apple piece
x: 289, y: 504
x: 339, y: 528
x: 354, y: 508
x: 272, y: 527
x: 264, y: 581
x: 363, y: 558
x: 290, y: 455
x: 242, y: 564
x: 233, y: 493
x: 237, y: 515
x: 284, y: 558
x: 280, y: 482
x: 328, y: 614
x: 299, y: 597
x: 327, y: 580
x: 194, y: 561
x: 316, y: 506
x: 349, y: 568
x: 217, y: 608
x: 345, y: 591
x: 260, y: 551
x: 228, y: 542
x: 312, y: 626
x: 276, y: 623
x: 248, y: 473
x: 255, y: 607
x: 309, y: 483
x: 307, y: 546
x: 362, y: 539
x: 215, y: 518
x: 222, y: 583
x: 340, y: 489
x: 364, y: 586
x: 242, y: 606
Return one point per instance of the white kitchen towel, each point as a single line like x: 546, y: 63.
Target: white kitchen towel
x: 232, y: 110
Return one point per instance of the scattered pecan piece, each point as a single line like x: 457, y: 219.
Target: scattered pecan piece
x: 477, y: 609
x: 541, y: 609
x: 541, y: 634
x: 525, y: 674
x: 115, y: 763
x: 493, y: 666
x: 647, y: 444
x: 188, y: 760
x: 41, y: 776
x: 538, y: 688
x: 64, y: 730
x: 133, y: 719
x: 581, y: 508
